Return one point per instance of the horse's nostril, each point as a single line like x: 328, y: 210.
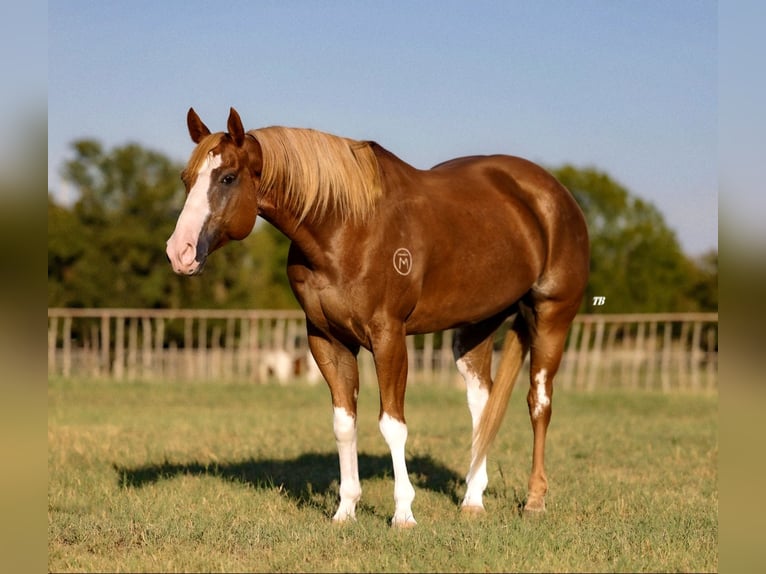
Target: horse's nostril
x: 188, y: 254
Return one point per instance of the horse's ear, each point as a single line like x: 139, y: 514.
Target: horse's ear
x: 197, y: 130
x: 236, y: 131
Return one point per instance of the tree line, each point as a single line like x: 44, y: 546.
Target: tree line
x: 107, y: 249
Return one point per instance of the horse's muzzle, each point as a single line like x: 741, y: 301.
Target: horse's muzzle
x: 185, y: 259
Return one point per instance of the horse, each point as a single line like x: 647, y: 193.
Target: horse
x: 381, y: 250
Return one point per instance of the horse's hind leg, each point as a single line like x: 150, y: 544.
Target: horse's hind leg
x: 472, y: 349
x: 552, y: 321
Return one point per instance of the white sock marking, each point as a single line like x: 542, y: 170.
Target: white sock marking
x: 477, y: 400
x: 542, y: 397
x: 395, y: 434
x: 344, y: 426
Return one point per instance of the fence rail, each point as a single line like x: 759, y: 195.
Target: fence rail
x: 660, y: 351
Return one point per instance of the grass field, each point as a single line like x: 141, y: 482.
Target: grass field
x: 206, y: 477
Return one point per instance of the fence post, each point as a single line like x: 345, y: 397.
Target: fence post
x: 611, y: 342
x: 582, y: 358
x: 104, y: 367
x: 201, y: 348
x: 710, y: 358
x: 594, y: 372
x: 159, y: 347
x: 428, y: 356
x: 119, y: 348
x: 228, y: 346
x: 53, y: 328
x: 146, y: 347
x: 667, y: 343
x: 570, y: 356
x: 445, y: 358
x: 695, y: 354
x: 637, y: 355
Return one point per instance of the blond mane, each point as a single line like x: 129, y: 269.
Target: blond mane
x: 314, y: 172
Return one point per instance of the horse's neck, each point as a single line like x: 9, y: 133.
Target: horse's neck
x: 317, y: 239
x: 310, y: 237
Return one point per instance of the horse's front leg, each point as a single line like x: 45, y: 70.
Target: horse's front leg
x: 338, y: 365
x: 390, y: 354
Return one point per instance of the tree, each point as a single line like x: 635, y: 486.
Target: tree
x: 704, y: 284
x: 108, y: 249
x: 636, y: 261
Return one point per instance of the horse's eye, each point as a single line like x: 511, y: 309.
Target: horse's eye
x: 228, y: 179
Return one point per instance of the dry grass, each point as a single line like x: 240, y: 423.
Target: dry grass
x: 194, y: 477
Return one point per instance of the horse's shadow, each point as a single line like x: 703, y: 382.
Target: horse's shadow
x: 309, y: 480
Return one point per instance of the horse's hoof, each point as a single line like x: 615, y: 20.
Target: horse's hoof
x: 343, y: 518
x: 342, y: 523
x: 534, y: 507
x: 472, y: 511
x: 403, y: 523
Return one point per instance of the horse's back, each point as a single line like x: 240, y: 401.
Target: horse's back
x: 512, y: 175
x: 525, y: 186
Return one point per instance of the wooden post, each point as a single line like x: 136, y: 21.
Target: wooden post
x: 582, y: 358
x: 638, y: 352
x: 695, y: 354
x: 711, y: 359
x: 159, y: 348
x: 66, y: 339
x: 215, y: 354
x: 146, y: 348
x: 133, y: 348
x: 445, y: 367
x: 188, y: 348
x: 651, y: 362
x: 119, y: 348
x: 570, y: 356
x: 667, y: 343
x: 104, y: 366
x: 428, y: 357
x: 278, y: 334
x: 258, y: 332
x: 611, y: 341
x: 53, y: 327
x: 202, y: 348
x: 172, y: 371
x: 94, y: 356
x: 683, y: 378
x: 595, y: 371
x: 228, y: 345
x: 245, y: 349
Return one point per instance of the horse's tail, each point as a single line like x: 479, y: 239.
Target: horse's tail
x: 515, y: 350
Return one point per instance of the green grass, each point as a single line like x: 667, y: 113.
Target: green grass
x: 195, y: 477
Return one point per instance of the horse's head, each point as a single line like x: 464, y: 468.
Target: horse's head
x: 221, y: 180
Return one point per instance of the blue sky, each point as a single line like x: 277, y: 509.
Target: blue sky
x: 627, y: 87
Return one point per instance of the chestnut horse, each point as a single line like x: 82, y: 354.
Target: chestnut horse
x: 381, y: 250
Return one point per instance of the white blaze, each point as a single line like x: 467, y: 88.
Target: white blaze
x: 182, y: 245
